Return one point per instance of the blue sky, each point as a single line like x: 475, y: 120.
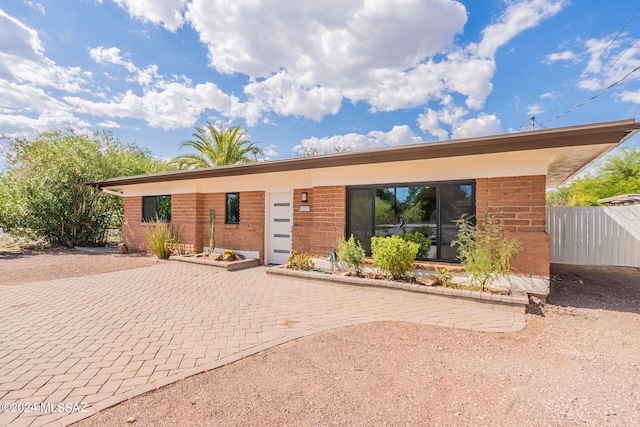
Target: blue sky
x: 322, y: 74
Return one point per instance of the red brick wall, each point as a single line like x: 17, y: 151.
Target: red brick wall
x: 248, y: 235
x: 132, y: 225
x: 185, y: 209
x: 519, y: 202
x: 318, y: 231
x: 190, y: 217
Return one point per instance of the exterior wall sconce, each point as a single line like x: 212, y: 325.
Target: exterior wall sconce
x: 305, y: 197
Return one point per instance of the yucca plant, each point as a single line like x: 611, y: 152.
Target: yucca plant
x: 162, y: 238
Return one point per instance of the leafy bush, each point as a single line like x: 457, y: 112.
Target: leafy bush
x: 161, y: 238
x: 351, y: 254
x: 486, y: 249
x: 445, y: 277
x: 423, y: 241
x: 393, y: 255
x: 300, y: 261
x: 43, y: 195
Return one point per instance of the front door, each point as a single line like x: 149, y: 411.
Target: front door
x: 279, y: 227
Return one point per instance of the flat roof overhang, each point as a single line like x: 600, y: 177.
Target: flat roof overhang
x: 591, y: 141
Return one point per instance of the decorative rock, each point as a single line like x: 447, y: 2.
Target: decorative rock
x: 228, y: 257
x: 122, y: 249
x: 427, y: 280
x: 216, y: 256
x: 240, y: 257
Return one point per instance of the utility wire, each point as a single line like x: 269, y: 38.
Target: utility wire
x: 597, y: 95
x: 584, y: 74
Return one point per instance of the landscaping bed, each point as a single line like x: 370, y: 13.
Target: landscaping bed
x: 238, y: 263
x: 321, y: 271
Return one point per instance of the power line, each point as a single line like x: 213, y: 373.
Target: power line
x: 591, y: 65
x: 597, y: 95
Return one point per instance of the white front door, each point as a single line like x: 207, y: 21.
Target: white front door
x: 279, y: 227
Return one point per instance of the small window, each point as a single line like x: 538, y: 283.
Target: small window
x: 156, y: 207
x: 233, y: 208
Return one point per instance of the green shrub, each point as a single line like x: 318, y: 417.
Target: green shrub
x: 161, y: 238
x: 445, y: 277
x: 300, y: 261
x: 351, y: 254
x: 393, y: 255
x: 486, y: 249
x: 423, y: 241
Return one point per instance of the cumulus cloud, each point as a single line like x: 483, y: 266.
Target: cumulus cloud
x: 566, y: 55
x: 27, y: 79
x: 399, y: 135
x: 173, y: 106
x: 449, y: 122
x: 483, y: 125
x: 609, y: 62
x: 300, y: 58
x: 532, y: 110
x: 168, y: 13
x: 627, y: 96
x: 22, y: 59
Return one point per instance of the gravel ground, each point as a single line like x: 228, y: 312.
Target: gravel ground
x: 576, y: 363
x: 18, y: 266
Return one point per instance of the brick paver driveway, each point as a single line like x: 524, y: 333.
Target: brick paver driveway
x: 71, y: 347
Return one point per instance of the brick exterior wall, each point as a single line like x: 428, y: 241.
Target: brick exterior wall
x: 185, y: 218
x: 317, y: 231
x: 132, y: 225
x: 519, y: 202
x: 248, y: 235
x: 190, y: 217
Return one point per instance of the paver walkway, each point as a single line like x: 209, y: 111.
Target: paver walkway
x: 98, y: 340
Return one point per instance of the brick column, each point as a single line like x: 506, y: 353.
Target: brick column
x: 318, y: 230
x: 519, y: 202
x: 186, y: 212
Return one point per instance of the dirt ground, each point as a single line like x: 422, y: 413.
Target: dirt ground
x: 577, y: 363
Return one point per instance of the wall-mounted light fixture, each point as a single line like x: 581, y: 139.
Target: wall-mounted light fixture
x: 305, y: 197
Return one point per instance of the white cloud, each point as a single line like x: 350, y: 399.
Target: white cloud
x: 108, y: 124
x: 301, y: 58
x: 172, y: 106
x: 269, y: 152
x: 449, y: 122
x: 633, y: 97
x: 22, y: 59
x: 566, y: 55
x: 399, y: 135
x: 518, y: 16
x: 483, y: 125
x: 167, y: 13
x: 532, y: 110
x: 607, y: 66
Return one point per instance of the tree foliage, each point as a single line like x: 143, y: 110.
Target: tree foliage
x: 620, y: 174
x: 217, y: 146
x: 43, y: 191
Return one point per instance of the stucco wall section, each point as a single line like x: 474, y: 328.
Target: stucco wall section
x: 317, y: 231
x: 519, y: 202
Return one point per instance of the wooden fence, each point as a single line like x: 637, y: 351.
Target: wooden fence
x: 595, y: 235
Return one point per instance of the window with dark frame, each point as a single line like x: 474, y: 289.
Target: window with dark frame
x: 232, y: 208
x: 156, y: 208
x: 429, y: 209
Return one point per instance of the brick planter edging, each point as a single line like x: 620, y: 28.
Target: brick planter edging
x: 517, y: 301
x: 228, y: 265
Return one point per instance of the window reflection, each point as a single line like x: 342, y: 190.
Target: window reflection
x: 421, y: 213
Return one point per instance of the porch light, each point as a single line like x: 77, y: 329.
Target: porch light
x: 305, y: 197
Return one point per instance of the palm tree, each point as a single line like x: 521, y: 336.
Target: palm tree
x: 217, y: 146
